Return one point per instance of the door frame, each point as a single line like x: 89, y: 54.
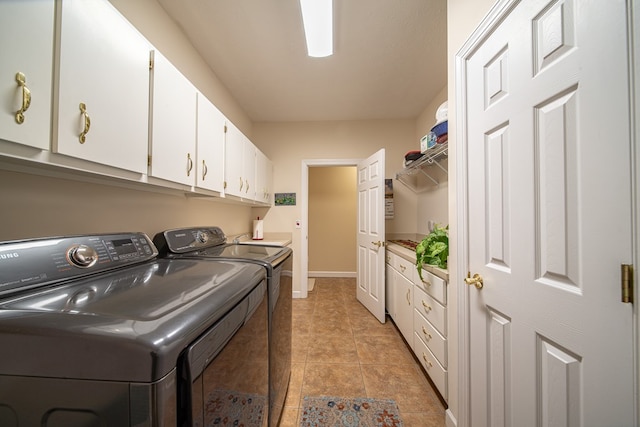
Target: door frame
x: 495, y: 15
x: 304, y: 208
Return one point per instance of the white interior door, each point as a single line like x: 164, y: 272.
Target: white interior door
x: 549, y: 215
x: 371, y: 250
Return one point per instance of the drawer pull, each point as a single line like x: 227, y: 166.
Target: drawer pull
x: 424, y: 356
x: 426, y: 333
x: 426, y: 306
x: 26, y: 97
x: 204, y: 170
x: 87, y: 123
x: 403, y: 268
x: 408, y: 296
x: 426, y: 282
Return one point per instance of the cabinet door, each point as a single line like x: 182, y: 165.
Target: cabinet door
x: 210, y: 146
x: 390, y: 292
x: 26, y: 43
x: 240, y: 164
x: 249, y: 169
x: 404, y: 306
x: 233, y: 149
x: 264, y: 174
x: 104, y: 67
x: 173, y: 123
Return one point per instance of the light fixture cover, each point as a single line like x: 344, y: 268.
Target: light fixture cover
x: 317, y: 16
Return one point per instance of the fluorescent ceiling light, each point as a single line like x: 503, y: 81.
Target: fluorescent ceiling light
x: 317, y: 16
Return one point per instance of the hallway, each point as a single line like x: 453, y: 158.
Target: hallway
x: 340, y: 349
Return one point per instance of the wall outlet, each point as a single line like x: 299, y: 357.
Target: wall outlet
x: 430, y: 225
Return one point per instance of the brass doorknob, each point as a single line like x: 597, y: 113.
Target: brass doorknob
x: 378, y: 243
x: 476, y: 280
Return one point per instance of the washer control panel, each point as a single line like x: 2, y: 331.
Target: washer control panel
x: 31, y: 263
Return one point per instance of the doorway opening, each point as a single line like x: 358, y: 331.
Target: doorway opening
x: 304, y: 256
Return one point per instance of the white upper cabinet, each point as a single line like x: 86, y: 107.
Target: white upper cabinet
x: 210, y: 146
x: 240, y: 158
x: 249, y: 169
x: 103, y: 88
x: 264, y: 177
x: 173, y: 123
x: 26, y: 43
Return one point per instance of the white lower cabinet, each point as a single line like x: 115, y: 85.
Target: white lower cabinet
x: 400, y: 288
x: 418, y: 308
x: 404, y: 306
x: 436, y: 371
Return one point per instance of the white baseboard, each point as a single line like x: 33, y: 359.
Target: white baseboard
x: 332, y: 274
x: 450, y: 420
x: 297, y: 294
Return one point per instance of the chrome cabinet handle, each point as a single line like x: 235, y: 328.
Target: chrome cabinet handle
x: 26, y: 97
x: 87, y: 123
x: 204, y: 170
x: 241, y: 183
x: 246, y: 189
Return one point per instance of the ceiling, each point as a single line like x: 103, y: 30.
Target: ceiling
x: 389, y: 57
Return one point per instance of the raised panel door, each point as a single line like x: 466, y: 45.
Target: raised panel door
x: 551, y: 343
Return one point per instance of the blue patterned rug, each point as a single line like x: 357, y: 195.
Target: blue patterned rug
x: 233, y: 408
x: 328, y: 411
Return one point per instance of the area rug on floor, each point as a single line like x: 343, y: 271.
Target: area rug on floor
x: 233, y: 408
x: 326, y: 411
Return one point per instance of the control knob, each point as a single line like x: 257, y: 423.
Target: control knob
x: 202, y: 237
x: 82, y: 256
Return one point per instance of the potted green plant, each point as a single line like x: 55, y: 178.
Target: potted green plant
x: 433, y: 249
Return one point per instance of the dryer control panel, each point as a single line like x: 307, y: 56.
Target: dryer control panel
x: 26, y: 264
x: 185, y: 240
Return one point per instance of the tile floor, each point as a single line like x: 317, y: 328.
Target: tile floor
x: 340, y: 349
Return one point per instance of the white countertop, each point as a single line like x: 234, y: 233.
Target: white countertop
x: 410, y: 255
x: 270, y: 239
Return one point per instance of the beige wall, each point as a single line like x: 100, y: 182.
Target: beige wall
x: 36, y: 206
x: 333, y: 208
x: 433, y: 204
x: 288, y: 144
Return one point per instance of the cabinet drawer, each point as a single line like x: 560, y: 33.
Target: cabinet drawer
x: 389, y: 258
x: 433, y: 285
x: 436, y: 372
x: 431, y: 309
x: 426, y: 333
x: 404, y: 267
